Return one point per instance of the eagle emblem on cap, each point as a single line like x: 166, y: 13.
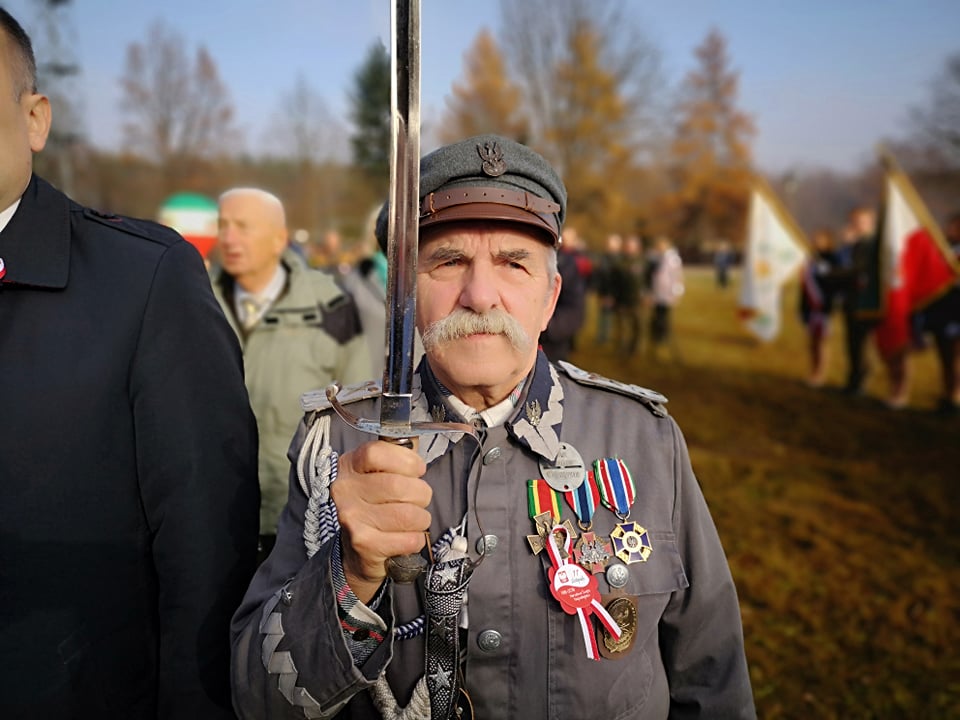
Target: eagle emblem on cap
x: 492, y: 156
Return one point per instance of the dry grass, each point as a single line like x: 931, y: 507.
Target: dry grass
x: 836, y: 513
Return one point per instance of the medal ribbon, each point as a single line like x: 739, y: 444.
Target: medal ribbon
x: 586, y: 600
x: 584, y: 500
x: 542, y: 498
x: 617, y: 491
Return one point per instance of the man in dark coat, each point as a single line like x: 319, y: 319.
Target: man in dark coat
x: 128, y: 524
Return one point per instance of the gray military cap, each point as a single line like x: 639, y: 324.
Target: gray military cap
x: 488, y: 177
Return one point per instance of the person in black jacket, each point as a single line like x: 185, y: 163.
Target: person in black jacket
x: 856, y: 260
x: 558, y: 339
x: 817, y: 293
x: 128, y: 524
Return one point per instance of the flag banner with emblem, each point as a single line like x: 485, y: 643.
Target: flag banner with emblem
x: 542, y: 498
x: 775, y: 250
x: 916, y: 264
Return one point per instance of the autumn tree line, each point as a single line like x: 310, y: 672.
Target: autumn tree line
x: 578, y: 80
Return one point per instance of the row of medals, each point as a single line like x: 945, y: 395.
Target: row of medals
x: 593, y: 552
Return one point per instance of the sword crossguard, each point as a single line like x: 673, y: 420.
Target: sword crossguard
x: 393, y: 432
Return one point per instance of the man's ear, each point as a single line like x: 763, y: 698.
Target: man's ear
x: 37, y: 109
x: 552, y: 301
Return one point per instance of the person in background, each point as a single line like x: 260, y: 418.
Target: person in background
x: 603, y: 281
x: 723, y: 259
x: 128, y: 452
x: 557, y: 340
x: 856, y: 257
x: 627, y: 286
x: 666, y: 289
x: 298, y: 330
x: 816, y: 302
x: 941, y: 318
x: 366, y: 281
x: 323, y: 630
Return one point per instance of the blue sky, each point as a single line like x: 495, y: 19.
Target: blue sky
x: 823, y: 79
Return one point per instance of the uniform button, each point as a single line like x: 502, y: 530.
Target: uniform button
x: 492, y: 455
x: 617, y: 575
x: 487, y: 544
x: 286, y: 596
x: 489, y: 640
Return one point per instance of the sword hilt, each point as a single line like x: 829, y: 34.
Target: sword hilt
x: 401, y: 568
x: 404, y: 569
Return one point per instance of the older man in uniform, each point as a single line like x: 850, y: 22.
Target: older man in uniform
x: 128, y: 516
x: 575, y: 571
x: 298, y: 330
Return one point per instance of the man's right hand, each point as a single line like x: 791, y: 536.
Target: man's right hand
x: 381, y: 502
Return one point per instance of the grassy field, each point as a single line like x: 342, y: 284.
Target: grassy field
x: 836, y: 513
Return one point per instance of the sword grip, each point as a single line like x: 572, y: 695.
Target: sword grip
x: 404, y: 569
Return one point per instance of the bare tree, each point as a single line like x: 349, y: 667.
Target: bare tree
x: 938, y: 124
x: 305, y: 132
x: 178, y: 111
x: 304, y: 129
x: 541, y: 35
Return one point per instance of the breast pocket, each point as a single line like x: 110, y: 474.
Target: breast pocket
x: 617, y: 689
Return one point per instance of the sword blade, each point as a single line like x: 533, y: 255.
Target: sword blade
x: 403, y: 213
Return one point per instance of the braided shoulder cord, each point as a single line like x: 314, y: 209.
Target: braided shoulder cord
x: 316, y: 469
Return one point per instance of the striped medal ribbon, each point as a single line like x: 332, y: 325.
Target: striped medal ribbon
x: 617, y: 491
x: 584, y: 501
x: 630, y: 541
x: 541, y: 498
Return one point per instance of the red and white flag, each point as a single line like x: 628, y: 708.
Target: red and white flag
x: 916, y: 263
x: 775, y: 249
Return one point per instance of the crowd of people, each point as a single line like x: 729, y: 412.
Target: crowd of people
x: 633, y: 290
x: 843, y: 278
x: 158, y: 421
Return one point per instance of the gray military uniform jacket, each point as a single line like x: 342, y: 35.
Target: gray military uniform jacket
x: 290, y: 659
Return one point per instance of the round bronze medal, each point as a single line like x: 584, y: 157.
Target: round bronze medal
x: 624, y: 612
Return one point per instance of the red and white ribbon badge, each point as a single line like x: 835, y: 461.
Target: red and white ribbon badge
x: 577, y: 592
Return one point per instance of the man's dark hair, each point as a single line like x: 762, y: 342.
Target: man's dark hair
x: 24, y: 65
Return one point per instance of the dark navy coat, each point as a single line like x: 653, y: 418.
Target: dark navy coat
x: 128, y: 489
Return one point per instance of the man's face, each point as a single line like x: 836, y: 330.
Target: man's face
x: 474, y: 272
x: 24, y: 123
x: 251, y: 237
x: 864, y: 222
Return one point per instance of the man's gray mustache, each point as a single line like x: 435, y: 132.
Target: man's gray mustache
x: 462, y: 323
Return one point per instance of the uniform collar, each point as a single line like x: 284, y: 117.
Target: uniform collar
x: 537, y: 421
x: 35, y: 244
x: 534, y: 423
